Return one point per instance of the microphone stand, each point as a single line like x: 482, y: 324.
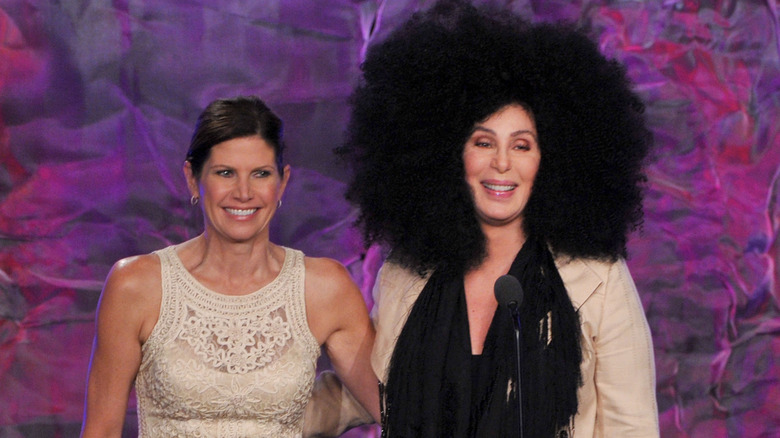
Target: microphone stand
x: 509, y: 293
x: 518, y: 345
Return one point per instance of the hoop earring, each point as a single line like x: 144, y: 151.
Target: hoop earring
x: 279, y: 204
x: 194, y: 200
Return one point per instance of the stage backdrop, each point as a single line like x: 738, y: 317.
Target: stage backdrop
x: 98, y: 100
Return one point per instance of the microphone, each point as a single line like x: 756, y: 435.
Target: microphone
x: 509, y: 293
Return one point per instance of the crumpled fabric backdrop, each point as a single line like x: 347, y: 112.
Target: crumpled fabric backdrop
x: 98, y: 100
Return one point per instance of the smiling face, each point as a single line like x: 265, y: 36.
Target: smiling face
x: 239, y: 187
x: 501, y: 159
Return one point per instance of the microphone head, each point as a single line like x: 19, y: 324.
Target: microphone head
x: 508, y: 291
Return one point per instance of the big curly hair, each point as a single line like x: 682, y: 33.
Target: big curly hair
x: 427, y: 84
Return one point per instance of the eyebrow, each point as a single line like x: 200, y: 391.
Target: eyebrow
x: 229, y: 167
x: 232, y: 166
x: 514, y: 134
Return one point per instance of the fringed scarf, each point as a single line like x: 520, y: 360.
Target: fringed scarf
x: 429, y: 389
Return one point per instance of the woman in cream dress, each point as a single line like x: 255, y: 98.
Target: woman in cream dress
x: 221, y: 333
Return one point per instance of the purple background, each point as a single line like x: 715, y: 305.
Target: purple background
x: 98, y: 100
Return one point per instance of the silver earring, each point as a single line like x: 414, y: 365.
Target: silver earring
x: 279, y: 204
x: 194, y: 200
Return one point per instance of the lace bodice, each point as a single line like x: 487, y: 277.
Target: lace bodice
x: 217, y: 365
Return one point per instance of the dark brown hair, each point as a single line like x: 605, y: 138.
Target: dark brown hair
x: 226, y: 119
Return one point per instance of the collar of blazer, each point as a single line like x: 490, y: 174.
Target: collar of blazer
x: 580, y: 278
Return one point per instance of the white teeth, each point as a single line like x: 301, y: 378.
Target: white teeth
x: 499, y: 188
x: 242, y: 212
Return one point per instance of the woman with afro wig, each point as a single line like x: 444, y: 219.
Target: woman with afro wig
x: 483, y: 145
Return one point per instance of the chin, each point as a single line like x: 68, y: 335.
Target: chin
x: 501, y: 218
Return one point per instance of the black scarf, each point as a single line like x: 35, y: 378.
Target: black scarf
x: 429, y: 389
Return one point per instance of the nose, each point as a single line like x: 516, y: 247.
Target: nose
x: 243, y: 191
x: 501, y: 160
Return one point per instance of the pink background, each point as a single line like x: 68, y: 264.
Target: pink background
x: 98, y: 100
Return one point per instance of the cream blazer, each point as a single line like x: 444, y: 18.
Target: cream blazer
x: 617, y: 398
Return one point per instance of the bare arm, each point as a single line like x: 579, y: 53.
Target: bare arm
x: 339, y: 319
x: 125, y: 316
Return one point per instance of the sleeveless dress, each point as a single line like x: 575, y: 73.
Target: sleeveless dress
x: 218, y: 365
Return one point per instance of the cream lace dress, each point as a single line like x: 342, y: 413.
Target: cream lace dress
x: 227, y: 366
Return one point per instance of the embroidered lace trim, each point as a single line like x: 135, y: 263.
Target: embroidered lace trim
x: 220, y: 365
